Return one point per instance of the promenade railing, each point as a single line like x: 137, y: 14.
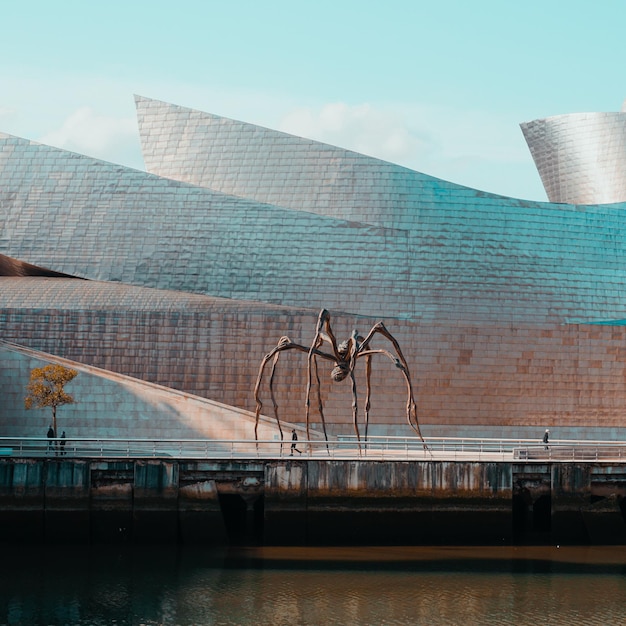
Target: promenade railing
x: 344, y: 447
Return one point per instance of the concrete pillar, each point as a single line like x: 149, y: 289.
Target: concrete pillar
x: 112, y: 486
x: 155, y: 504
x: 22, y: 499
x: 67, y: 484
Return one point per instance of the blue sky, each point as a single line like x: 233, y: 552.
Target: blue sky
x: 440, y: 87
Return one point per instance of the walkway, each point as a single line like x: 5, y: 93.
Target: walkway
x: 376, y: 448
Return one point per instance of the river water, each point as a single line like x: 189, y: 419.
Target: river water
x: 184, y: 585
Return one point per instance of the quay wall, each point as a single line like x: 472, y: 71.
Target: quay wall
x: 310, y: 502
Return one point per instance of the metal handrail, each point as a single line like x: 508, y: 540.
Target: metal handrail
x: 345, y: 447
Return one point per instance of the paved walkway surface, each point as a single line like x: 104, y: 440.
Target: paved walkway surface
x: 375, y: 449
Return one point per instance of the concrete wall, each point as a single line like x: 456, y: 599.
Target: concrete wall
x: 311, y: 502
x: 352, y: 502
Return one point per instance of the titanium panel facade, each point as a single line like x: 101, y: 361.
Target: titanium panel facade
x: 510, y: 312
x: 581, y: 157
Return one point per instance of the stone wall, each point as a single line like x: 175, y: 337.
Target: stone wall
x: 310, y: 502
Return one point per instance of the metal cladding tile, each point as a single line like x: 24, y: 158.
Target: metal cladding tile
x: 468, y: 280
x: 475, y: 365
x: 580, y: 157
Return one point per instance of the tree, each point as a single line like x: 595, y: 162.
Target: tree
x: 46, y: 388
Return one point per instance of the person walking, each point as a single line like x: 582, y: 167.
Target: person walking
x: 62, y: 443
x: 50, y: 434
x: 294, y: 439
x: 546, y: 437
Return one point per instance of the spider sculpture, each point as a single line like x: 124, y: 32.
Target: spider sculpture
x: 344, y: 356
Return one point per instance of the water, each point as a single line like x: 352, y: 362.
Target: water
x: 433, y: 586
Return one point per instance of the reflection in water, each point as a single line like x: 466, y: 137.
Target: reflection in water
x: 190, y: 585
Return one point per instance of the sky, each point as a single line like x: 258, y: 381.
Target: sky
x: 439, y: 87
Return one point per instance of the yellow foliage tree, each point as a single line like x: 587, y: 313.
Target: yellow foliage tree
x: 46, y: 388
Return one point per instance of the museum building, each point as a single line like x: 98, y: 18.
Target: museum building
x: 166, y: 287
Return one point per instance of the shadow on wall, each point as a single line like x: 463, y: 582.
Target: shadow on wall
x: 111, y: 405
x: 14, y: 267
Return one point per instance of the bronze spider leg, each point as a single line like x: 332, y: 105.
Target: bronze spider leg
x: 368, y: 378
x: 346, y: 359
x: 284, y: 343
x: 323, y: 333
x: 273, y: 397
x: 411, y: 410
x: 353, y: 351
x: 355, y: 419
x: 400, y: 362
x: 323, y: 321
x: 307, y: 403
x: 320, y: 405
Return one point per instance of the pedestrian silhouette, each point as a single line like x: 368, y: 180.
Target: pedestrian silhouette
x: 546, y: 437
x: 294, y: 439
x: 62, y: 443
x: 50, y: 434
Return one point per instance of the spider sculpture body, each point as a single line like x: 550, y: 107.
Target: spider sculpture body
x: 344, y: 356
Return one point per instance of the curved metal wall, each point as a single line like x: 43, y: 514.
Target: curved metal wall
x: 581, y: 157
x: 493, y: 299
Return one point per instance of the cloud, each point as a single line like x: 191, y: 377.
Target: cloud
x: 470, y: 147
x: 108, y: 138
x: 459, y: 144
x: 377, y: 132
